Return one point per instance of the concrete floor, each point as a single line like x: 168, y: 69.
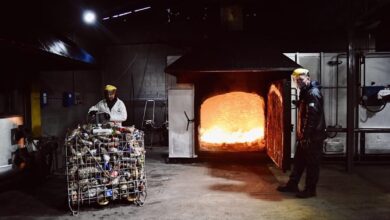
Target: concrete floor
x: 219, y: 190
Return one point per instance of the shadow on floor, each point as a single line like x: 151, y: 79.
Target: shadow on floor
x: 28, y: 197
x: 48, y: 198
x: 245, y: 173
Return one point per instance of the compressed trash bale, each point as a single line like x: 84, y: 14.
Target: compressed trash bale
x: 105, y: 163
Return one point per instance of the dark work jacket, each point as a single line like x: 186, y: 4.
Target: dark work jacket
x: 311, y: 119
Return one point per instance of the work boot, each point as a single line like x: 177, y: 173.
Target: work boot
x: 306, y: 194
x: 288, y: 188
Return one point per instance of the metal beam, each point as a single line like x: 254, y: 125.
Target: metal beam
x: 351, y: 100
x: 351, y: 91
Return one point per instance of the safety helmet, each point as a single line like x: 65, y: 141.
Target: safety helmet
x: 110, y: 88
x: 300, y: 71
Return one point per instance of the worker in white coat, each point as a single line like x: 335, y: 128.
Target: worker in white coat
x: 112, y: 105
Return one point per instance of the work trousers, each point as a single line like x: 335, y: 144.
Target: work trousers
x: 307, y: 156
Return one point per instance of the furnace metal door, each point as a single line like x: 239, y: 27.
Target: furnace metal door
x: 278, y: 128
x: 181, y: 128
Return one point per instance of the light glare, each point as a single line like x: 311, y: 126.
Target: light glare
x: 89, y: 17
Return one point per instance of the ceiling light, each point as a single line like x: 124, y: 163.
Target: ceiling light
x: 89, y: 17
x: 142, y: 9
x: 126, y: 13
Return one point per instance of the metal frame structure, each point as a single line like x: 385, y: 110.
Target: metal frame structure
x: 104, y: 165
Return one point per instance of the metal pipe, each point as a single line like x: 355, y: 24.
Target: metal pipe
x: 377, y: 54
x: 373, y: 130
x: 364, y: 73
x: 321, y: 66
x: 362, y: 144
x: 358, y: 130
x: 351, y: 94
x: 337, y: 87
x: 330, y: 129
x: 356, y: 102
x: 350, y: 106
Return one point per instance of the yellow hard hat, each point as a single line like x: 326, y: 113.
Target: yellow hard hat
x: 109, y: 88
x: 300, y: 71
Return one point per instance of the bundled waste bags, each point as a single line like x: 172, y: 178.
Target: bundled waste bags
x: 105, y: 163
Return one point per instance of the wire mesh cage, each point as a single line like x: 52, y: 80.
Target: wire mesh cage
x: 104, y: 164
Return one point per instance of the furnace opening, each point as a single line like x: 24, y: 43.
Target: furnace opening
x: 232, y: 122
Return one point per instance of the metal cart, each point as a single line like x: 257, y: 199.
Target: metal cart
x: 104, y: 164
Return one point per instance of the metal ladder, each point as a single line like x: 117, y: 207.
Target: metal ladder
x: 149, y: 124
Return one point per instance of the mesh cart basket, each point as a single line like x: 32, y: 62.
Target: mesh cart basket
x: 104, y: 164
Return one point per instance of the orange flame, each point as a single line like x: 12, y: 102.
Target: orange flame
x: 274, y: 89
x: 233, y: 122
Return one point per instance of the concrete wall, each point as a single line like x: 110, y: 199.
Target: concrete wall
x: 56, y: 118
x: 14, y: 89
x: 138, y: 72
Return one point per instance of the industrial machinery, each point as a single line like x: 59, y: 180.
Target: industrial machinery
x: 8, y: 144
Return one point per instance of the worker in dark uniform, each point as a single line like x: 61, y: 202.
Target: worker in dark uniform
x: 310, y: 135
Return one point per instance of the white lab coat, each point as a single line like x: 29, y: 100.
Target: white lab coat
x: 118, y: 112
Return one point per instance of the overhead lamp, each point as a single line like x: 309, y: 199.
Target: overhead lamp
x: 142, y: 9
x: 89, y: 17
x: 127, y: 13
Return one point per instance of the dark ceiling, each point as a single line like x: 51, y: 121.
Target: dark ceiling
x: 276, y: 15
x: 189, y: 21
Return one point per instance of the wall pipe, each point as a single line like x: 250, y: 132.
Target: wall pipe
x: 351, y: 94
x: 337, y: 87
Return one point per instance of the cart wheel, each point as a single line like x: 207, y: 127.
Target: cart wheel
x: 103, y: 201
x: 132, y: 198
x: 141, y: 197
x: 74, y: 207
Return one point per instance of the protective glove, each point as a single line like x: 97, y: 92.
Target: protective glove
x: 92, y: 113
x: 106, y: 116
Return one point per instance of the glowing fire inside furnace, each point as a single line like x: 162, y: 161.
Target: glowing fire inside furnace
x: 233, y: 121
